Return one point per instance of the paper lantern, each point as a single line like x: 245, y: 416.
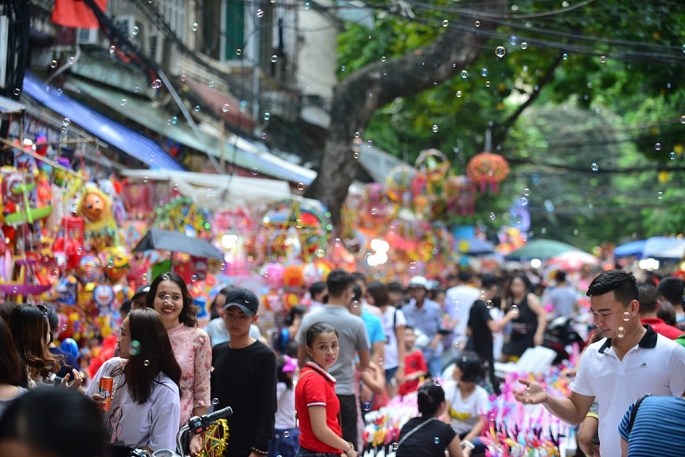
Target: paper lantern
x: 488, y: 168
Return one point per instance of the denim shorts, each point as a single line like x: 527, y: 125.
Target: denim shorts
x: 307, y: 453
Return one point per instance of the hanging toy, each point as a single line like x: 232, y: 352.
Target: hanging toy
x: 95, y: 207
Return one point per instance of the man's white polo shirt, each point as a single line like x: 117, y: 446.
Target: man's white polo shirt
x: 655, y: 366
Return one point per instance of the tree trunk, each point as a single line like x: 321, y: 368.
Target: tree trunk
x: 359, y: 95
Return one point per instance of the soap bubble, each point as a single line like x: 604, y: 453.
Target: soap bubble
x: 672, y: 155
x: 464, y: 74
x: 435, y: 128
x: 146, y: 362
x: 112, y: 49
x: 603, y: 59
x: 621, y: 332
x: 484, y: 72
x: 489, y: 304
x: 524, y: 45
x: 594, y: 166
x: 660, y: 195
x: 156, y: 84
x: 260, y: 13
x: 135, y: 30
x: 267, y: 116
x: 459, y: 94
x: 135, y: 347
x: 369, y: 144
x: 477, y: 23
x: 445, y: 23
x: 526, y: 191
x: 500, y: 51
x: 564, y: 56
x: 53, y: 64
x: 123, y: 102
x: 493, y: 216
x: 225, y: 108
x: 657, y: 146
x: 513, y: 40
x: 300, y: 186
x: 195, y: 26
x: 274, y: 58
x: 215, y: 401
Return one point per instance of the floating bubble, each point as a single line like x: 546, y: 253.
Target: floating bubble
x: 135, y: 30
x: 493, y: 216
x: 225, y: 108
x: 620, y: 332
x: 603, y: 59
x: 306, y: 6
x: 445, y: 23
x: 657, y: 146
x: 17, y: 91
x: 500, y: 51
x: 436, y: 440
x: 267, y: 116
x: 167, y: 297
x: 357, y: 134
x: 286, y: 434
x: 594, y: 166
x: 342, y: 68
x: 238, y: 51
x: 526, y: 191
x: 123, y: 102
x: 72, y: 59
x: 197, y: 108
x: 215, y: 401
x: 112, y: 49
x: 435, y: 128
x: 524, y: 201
x: 195, y: 26
x: 367, y: 406
x: 135, y: 347
x: 660, y: 195
x: 174, y: 120
x: 395, y: 446
x: 477, y: 23
x: 260, y: 13
x: 66, y: 122
x: 684, y: 48
x: 515, y: 308
x: 300, y: 186
x: 274, y: 58
x: 53, y: 64
x: 487, y: 83
x: 146, y: 362
x: 682, y: 119
x: 412, y: 265
x: 626, y: 316
x: 464, y: 74
x: 489, y: 304
x: 575, y: 232
x: 459, y: 94
x: 672, y: 155
x: 369, y: 144
x: 263, y: 135
x: 524, y: 45
x: 564, y: 56
x: 193, y: 278
x: 484, y: 72
x: 211, y: 84
x: 383, y: 59
x: 513, y: 40
x: 156, y: 84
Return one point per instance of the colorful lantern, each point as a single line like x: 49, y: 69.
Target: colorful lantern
x: 488, y: 168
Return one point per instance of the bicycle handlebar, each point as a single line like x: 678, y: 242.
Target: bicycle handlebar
x: 221, y: 414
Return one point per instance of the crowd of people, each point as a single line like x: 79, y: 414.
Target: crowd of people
x: 304, y: 389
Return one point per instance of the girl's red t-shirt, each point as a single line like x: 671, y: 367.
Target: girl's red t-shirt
x: 316, y: 387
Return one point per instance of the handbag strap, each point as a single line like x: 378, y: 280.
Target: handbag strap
x: 415, y: 429
x: 633, y: 413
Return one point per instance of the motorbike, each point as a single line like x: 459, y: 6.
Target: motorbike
x: 560, y: 334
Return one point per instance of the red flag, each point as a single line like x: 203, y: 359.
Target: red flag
x: 76, y: 14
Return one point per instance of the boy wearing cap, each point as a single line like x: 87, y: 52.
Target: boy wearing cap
x: 244, y: 378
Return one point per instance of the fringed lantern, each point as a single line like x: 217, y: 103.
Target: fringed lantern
x: 488, y: 168
x: 460, y: 196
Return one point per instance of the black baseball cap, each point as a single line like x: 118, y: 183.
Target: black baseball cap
x: 142, y: 290
x: 244, y: 299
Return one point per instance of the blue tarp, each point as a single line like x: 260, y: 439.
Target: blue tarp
x: 633, y: 248
x: 122, y: 138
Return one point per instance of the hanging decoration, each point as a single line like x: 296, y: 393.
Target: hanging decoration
x: 486, y: 169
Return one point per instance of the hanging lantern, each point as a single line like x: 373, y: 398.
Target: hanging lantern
x: 488, y: 168
x: 460, y: 196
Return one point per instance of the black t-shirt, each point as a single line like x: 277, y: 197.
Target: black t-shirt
x: 430, y: 440
x: 481, y: 336
x: 245, y: 380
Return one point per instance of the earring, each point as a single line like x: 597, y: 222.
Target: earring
x: 626, y: 316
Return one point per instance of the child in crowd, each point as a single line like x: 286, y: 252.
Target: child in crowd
x: 315, y: 400
x: 286, y: 434
x: 416, y: 367
x: 466, y: 401
x: 289, y: 330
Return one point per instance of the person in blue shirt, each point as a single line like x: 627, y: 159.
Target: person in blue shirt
x: 425, y: 315
x: 658, y: 423
x: 374, y: 326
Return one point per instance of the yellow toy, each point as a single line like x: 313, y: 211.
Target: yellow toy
x: 95, y: 207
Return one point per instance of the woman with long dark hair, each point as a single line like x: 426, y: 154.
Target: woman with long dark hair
x: 528, y: 329
x: 10, y: 369
x: 169, y: 296
x: 145, y: 402
x: 31, y: 333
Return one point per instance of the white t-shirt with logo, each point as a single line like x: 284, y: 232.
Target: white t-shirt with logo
x: 465, y: 413
x: 391, y: 349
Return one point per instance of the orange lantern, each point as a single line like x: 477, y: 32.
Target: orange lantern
x: 487, y: 168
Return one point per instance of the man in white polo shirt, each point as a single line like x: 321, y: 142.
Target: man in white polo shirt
x: 630, y: 362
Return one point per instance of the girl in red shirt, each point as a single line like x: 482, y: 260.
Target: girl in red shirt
x: 315, y: 401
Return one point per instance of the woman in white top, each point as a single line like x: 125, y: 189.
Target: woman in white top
x: 394, y: 323
x: 467, y: 401
x: 145, y: 402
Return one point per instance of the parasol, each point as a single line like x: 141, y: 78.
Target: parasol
x: 573, y: 260
x: 633, y: 248
x: 540, y: 249
x: 166, y: 240
x: 661, y: 247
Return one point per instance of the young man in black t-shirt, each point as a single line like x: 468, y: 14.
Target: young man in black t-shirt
x: 482, y: 325
x: 244, y: 378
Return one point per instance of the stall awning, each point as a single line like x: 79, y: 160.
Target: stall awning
x: 226, y: 191
x: 8, y: 106
x: 238, y: 151
x: 132, y: 143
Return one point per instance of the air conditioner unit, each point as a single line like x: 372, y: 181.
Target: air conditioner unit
x: 87, y: 36
x: 125, y: 24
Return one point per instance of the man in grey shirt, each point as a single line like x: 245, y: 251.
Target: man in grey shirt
x: 352, y: 339
x: 563, y: 297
